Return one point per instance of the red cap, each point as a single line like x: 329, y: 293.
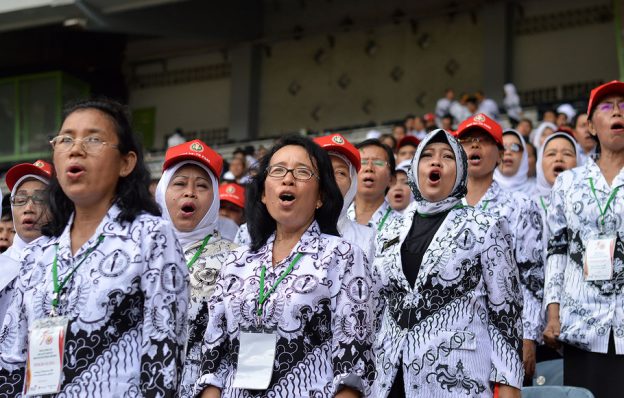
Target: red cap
x: 337, y: 143
x: 39, y: 168
x: 408, y: 140
x: 429, y: 116
x: 232, y: 193
x: 481, y: 122
x: 195, y: 150
x: 598, y: 93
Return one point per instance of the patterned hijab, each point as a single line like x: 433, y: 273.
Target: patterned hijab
x: 423, y: 206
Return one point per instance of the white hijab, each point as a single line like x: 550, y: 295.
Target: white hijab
x: 519, y: 181
x: 18, y: 243
x: 542, y: 187
x: 208, y: 224
x: 343, y: 220
x: 537, y: 133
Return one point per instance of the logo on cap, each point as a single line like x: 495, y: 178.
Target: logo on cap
x: 230, y: 189
x: 39, y: 164
x: 338, y: 139
x: 197, y: 147
x: 479, y: 118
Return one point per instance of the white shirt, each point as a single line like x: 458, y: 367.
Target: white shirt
x: 126, y: 306
x: 381, y: 218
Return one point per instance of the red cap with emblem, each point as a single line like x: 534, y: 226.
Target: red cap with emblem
x: 408, y: 140
x: 195, y: 150
x: 600, y: 92
x: 233, y: 193
x: 481, y: 122
x: 39, y: 168
x: 337, y: 143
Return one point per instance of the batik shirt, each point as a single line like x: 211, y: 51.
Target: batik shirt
x: 589, y: 311
x: 204, y: 274
x: 459, y: 328
x: 525, y: 225
x: 126, y: 306
x: 381, y: 218
x: 321, y: 313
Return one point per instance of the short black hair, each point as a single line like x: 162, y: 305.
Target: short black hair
x: 578, y: 116
x: 132, y: 193
x: 527, y: 120
x: 377, y: 143
x: 260, y: 223
x: 389, y: 136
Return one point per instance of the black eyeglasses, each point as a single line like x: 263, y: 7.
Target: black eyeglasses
x: 299, y: 173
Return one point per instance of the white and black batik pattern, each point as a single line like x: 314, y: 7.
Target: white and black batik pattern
x: 321, y: 312
x: 203, y: 279
x: 589, y: 311
x: 525, y: 225
x: 459, y: 329
x: 126, y: 306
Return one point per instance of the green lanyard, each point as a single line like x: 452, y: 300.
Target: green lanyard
x: 59, y: 286
x: 611, y: 197
x: 543, y: 204
x: 199, y: 251
x: 383, y: 220
x: 485, y: 204
x: 262, y: 296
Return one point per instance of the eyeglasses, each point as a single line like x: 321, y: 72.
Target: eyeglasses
x: 92, y: 144
x: 476, y: 140
x: 21, y: 200
x: 513, y: 147
x: 375, y: 162
x: 610, y: 106
x: 299, y: 173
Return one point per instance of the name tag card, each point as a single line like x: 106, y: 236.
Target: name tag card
x: 44, y: 366
x: 598, y: 261
x: 256, y: 356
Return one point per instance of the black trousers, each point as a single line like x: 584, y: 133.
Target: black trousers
x: 602, y: 374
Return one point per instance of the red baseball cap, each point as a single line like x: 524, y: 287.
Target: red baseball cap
x: 408, y: 140
x: 598, y: 93
x: 194, y: 150
x: 39, y: 168
x: 337, y: 143
x: 429, y: 116
x: 233, y: 193
x: 481, y: 122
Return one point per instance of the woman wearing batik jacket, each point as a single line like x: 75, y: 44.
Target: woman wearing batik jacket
x: 585, y: 265
x: 451, y: 326
x: 189, y: 198
x: 304, y: 293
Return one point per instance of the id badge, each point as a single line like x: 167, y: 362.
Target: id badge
x: 44, y: 365
x: 256, y: 356
x: 598, y: 258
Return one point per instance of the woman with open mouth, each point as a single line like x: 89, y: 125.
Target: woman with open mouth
x: 188, y: 194
x: 292, y: 314
x: 451, y: 325
x: 585, y: 265
x: 101, y: 300
x: 512, y: 175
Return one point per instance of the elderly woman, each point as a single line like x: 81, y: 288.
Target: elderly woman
x: 100, y: 303
x: 451, y: 326
x: 585, y: 267
x: 189, y: 197
x: 299, y: 299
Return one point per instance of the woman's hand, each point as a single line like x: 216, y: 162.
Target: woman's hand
x: 528, y: 358
x: 505, y: 391
x: 553, y: 327
x: 211, y: 392
x: 347, y: 393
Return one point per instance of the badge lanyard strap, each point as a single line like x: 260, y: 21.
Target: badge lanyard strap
x: 485, y: 204
x: 58, y: 286
x: 544, y: 205
x: 262, y: 296
x: 199, y: 252
x: 383, y: 220
x: 611, y: 197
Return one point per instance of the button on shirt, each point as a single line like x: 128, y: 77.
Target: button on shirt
x: 589, y: 311
x: 126, y: 306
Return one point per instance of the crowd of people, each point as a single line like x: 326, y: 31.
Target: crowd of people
x: 442, y: 260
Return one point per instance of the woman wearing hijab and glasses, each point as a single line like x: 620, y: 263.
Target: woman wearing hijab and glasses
x: 513, y: 173
x: 100, y: 303
x: 189, y: 198
x: 451, y: 326
x: 585, y: 266
x: 291, y: 315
